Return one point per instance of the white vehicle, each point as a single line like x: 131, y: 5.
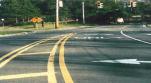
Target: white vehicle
x: 120, y: 20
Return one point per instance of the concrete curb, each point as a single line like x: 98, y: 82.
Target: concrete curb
x: 25, y: 33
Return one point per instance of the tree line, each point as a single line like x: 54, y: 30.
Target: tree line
x: 17, y: 11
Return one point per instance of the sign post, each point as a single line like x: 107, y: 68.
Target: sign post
x: 36, y: 20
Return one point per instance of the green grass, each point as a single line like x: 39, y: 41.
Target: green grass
x: 29, y: 28
x: 10, y: 32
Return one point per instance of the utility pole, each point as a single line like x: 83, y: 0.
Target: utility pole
x: 57, y: 15
x: 83, y: 12
x: 115, y: 1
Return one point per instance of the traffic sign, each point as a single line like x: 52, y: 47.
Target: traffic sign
x: 99, y: 4
x: 60, y: 3
x: 36, y: 19
x: 134, y: 4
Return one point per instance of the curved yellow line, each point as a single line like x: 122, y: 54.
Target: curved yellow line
x: 66, y: 75
x: 50, y: 66
x: 18, y: 51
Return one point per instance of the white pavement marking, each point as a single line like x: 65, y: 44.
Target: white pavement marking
x: 89, y: 37
x: 135, y: 38
x: 97, y: 38
x: 19, y: 76
x: 123, y: 61
x: 90, y: 34
x: 102, y: 37
x: 84, y: 37
x: 107, y: 34
x: 118, y: 37
x: 35, y: 53
x: 76, y: 37
x: 148, y: 34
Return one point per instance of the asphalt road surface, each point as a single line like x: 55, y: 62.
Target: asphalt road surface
x: 100, y: 54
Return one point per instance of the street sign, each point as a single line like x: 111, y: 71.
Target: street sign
x: 39, y: 19
x: 36, y: 19
x: 134, y: 4
x: 99, y: 4
x: 60, y: 3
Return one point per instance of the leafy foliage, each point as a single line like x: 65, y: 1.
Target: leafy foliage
x: 72, y: 10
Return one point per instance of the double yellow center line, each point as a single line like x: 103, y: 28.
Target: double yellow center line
x: 51, y: 70
x: 4, y: 60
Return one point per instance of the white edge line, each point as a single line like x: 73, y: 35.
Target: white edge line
x: 135, y: 38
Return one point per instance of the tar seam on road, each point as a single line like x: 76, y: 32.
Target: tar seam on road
x: 66, y: 75
x: 13, y: 54
x: 135, y: 38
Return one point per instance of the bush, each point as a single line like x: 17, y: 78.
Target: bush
x: 23, y: 23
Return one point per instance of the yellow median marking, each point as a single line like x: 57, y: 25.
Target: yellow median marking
x: 66, y: 75
x: 2, y: 64
x: 12, y: 52
x: 35, y: 53
x: 50, y: 66
x: 18, y: 52
x: 19, y: 76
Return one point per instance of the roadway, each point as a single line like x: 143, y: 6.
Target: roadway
x: 102, y: 54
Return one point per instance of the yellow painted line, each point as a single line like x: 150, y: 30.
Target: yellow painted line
x: 50, y: 66
x: 35, y: 53
x: 21, y: 50
x: 14, y: 51
x: 19, y: 76
x: 3, y: 63
x: 66, y: 75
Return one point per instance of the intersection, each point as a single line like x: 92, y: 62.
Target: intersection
x: 99, y: 54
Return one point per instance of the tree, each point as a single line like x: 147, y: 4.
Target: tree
x: 144, y: 9
x: 10, y: 8
x: 28, y: 10
x: 18, y: 9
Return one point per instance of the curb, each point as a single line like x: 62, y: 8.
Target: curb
x: 9, y: 35
x: 25, y: 33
